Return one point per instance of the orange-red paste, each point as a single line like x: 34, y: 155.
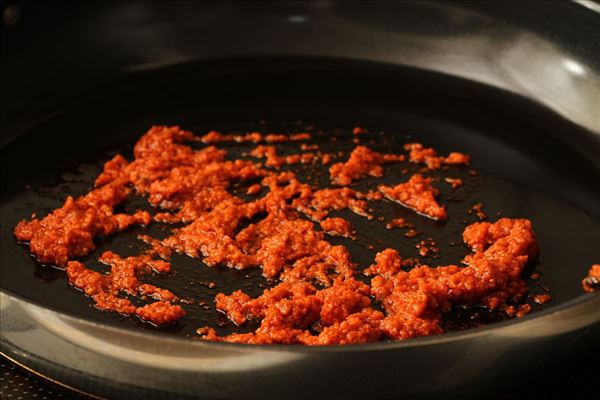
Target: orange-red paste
x: 418, y: 194
x: 414, y: 301
x: 421, y: 154
x: 319, y: 299
x: 362, y: 162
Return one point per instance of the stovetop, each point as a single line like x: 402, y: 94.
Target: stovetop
x: 580, y: 381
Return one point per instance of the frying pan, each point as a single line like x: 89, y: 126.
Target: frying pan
x: 516, y: 87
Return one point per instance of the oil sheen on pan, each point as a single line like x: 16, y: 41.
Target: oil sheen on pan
x: 254, y: 210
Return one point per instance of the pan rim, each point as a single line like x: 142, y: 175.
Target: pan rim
x: 578, y: 302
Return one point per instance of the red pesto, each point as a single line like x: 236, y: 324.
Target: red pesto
x: 542, y: 298
x: 454, y: 182
x: 517, y: 311
x: 253, y: 189
x: 477, y: 209
x: 325, y: 200
x: 337, y: 227
x: 417, y: 194
x: 254, y: 137
x: 398, y: 223
x: 420, y: 154
x: 411, y: 232
x: 273, y: 160
x: 387, y: 264
x: 414, y: 301
x: 192, y: 187
x: 592, y: 281
x: 358, y: 130
x: 362, y: 162
x: 123, y: 277
x: 305, y: 146
x: 156, y: 247
x: 68, y: 231
x: 427, y: 246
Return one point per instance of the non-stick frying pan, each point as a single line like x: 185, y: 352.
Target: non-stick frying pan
x: 502, y: 83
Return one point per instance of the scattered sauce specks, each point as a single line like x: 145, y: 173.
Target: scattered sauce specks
x: 454, y: 182
x: 411, y: 233
x: 213, y: 137
x: 517, y: 311
x: 542, y: 298
x: 477, y: 210
x: 305, y: 146
x: 427, y: 246
x: 398, y: 223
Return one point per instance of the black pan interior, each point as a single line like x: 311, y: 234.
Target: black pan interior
x: 531, y: 164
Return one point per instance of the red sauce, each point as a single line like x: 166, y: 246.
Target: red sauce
x: 417, y: 194
x: 213, y: 137
x: 193, y: 187
x: 477, y: 209
x: 414, y: 301
x: 273, y: 160
x: 421, y: 154
x: 123, y: 278
x: 337, y: 227
x: 592, y: 281
x: 411, y: 233
x: 398, y: 223
x: 358, y: 130
x: 156, y: 247
x: 281, y: 243
x: 68, y: 231
x: 253, y: 189
x: 542, y: 298
x: 387, y: 264
x: 362, y: 162
x: 216, y: 137
x: 305, y: 146
x: 339, y: 314
x: 325, y: 200
x: 517, y: 311
x: 454, y: 182
x: 426, y: 247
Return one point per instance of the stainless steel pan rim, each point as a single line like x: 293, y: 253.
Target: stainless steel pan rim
x: 581, y: 304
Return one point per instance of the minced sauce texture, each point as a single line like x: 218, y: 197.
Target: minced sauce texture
x: 283, y: 227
